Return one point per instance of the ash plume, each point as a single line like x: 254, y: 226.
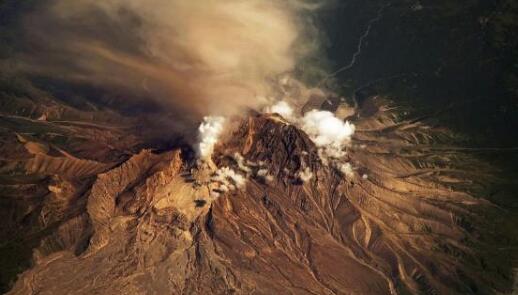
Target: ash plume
x: 199, y: 58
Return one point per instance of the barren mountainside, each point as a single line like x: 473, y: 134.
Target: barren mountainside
x: 407, y: 218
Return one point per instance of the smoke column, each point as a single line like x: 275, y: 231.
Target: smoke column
x: 208, y: 135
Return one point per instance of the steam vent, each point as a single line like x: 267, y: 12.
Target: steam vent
x: 257, y: 147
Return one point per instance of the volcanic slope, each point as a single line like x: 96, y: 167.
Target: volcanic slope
x: 407, y: 220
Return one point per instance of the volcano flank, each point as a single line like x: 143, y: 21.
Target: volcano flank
x: 158, y: 221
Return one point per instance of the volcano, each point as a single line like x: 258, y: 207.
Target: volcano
x: 107, y: 212
x: 258, y: 147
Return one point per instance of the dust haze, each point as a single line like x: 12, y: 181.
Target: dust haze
x: 200, y: 57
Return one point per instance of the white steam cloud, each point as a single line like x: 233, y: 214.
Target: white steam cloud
x: 346, y: 169
x: 282, y: 108
x: 328, y: 132
x: 241, y: 163
x: 326, y: 129
x: 208, y: 135
x: 226, y: 174
x: 228, y: 180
